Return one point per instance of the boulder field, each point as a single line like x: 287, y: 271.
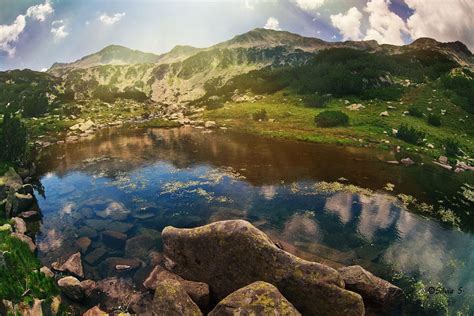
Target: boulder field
x: 232, y: 268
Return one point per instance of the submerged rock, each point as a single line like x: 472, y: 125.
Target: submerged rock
x: 114, y: 239
x: 171, y: 299
x: 120, y: 292
x: 139, y: 246
x: 231, y: 254
x: 95, y: 255
x: 372, y: 288
x: 83, y: 243
x: 258, y: 298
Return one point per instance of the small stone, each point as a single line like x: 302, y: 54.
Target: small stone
x: 6, y: 228
x: 384, y: 114
x: 95, y: 311
x: 20, y: 225
x: 407, y: 161
x: 95, y: 255
x: 46, y: 271
x: 443, y: 160
x: 83, y: 243
x: 210, y: 124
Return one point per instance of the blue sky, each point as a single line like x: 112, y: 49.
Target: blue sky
x: 36, y: 33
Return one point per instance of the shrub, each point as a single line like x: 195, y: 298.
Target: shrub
x: 260, y: 115
x: 13, y: 139
x: 331, y: 119
x: 214, y: 105
x: 390, y: 93
x: 414, y: 111
x: 34, y: 105
x: 451, y: 147
x: 434, y: 119
x: 410, y: 134
x: 316, y: 100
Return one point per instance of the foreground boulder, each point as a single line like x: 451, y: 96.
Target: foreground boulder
x: 198, y: 291
x: 373, y: 289
x: 171, y: 299
x: 258, y: 298
x: 72, y: 288
x: 229, y: 255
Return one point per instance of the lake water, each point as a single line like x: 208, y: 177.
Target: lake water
x: 137, y: 181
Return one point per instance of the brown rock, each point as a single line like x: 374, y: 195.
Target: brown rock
x: 120, y: 292
x: 90, y: 289
x: 229, y: 255
x: 83, y: 243
x: 372, y: 288
x: 139, y: 246
x: 20, y: 225
x: 25, y: 239
x: 114, y: 239
x: 30, y: 216
x: 71, y: 287
x: 198, y: 291
x: 73, y: 265
x: 112, y: 263
x: 171, y: 299
x: 95, y: 255
x: 258, y: 298
x: 95, y: 311
x: 46, y: 271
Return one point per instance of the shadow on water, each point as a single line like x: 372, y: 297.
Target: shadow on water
x: 139, y: 181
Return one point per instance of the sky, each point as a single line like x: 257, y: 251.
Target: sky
x: 36, y: 33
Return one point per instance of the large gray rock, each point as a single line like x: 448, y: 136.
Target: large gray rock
x: 198, y: 291
x: 258, y: 298
x: 114, y: 239
x: 372, y: 288
x: 171, y: 299
x: 229, y: 255
x: 21, y: 203
x: 72, y: 288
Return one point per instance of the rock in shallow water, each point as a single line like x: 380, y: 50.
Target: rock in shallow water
x: 258, y: 298
x: 372, y: 288
x: 72, y: 265
x: 229, y: 255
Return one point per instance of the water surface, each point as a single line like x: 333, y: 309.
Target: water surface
x: 139, y: 181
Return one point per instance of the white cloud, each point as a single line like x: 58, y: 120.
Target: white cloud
x: 348, y: 24
x: 384, y: 25
x: 272, y: 24
x: 309, y: 5
x: 443, y: 20
x: 9, y: 34
x: 111, y: 19
x: 58, y: 29
x: 40, y: 12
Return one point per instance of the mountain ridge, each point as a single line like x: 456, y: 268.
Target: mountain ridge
x: 261, y: 38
